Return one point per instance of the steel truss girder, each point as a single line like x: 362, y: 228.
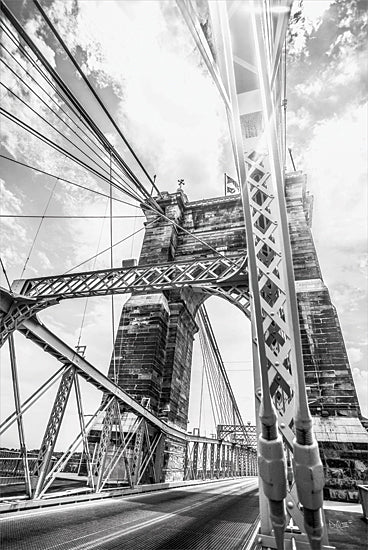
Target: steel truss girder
x: 13, y: 311
x: 236, y: 433
x: 64, y: 459
x: 52, y: 344
x: 137, y: 452
x: 147, y: 278
x: 148, y: 457
x: 121, y: 451
x: 53, y: 428
x: 219, y: 459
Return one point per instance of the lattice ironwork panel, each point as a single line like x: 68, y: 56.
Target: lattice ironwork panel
x: 226, y: 277
x: 139, y: 278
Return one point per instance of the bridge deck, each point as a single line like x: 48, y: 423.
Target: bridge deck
x: 214, y: 516
x: 207, y: 515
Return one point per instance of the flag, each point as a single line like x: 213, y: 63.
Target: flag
x: 232, y: 187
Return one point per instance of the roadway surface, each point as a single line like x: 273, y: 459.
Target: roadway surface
x: 214, y: 516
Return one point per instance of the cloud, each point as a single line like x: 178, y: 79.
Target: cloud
x: 339, y: 188
x: 361, y: 384
x: 170, y: 110
x: 33, y: 27
x: 327, y: 68
x: 355, y: 355
x: 314, y: 10
x: 10, y: 247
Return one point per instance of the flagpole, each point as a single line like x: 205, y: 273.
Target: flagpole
x: 225, y: 183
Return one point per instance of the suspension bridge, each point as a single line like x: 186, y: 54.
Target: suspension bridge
x: 253, y: 248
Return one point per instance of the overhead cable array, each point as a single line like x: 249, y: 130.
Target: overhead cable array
x: 120, y: 177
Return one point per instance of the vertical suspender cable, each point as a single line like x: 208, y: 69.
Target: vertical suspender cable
x: 5, y: 273
x: 93, y: 268
x: 284, y: 103
x: 112, y: 265
x: 201, y: 396
x: 38, y: 229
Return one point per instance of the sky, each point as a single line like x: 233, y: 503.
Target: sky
x: 142, y: 61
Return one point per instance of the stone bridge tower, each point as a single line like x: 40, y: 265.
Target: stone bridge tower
x: 153, y: 348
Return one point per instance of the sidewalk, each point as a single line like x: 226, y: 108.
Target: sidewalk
x: 347, y: 529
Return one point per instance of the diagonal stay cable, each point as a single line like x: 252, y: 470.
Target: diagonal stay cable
x: 5, y: 273
x: 59, y: 148
x: 155, y: 209
x: 50, y: 108
x: 49, y: 82
x: 65, y: 180
x: 93, y: 267
x: 44, y: 91
x: 145, y: 205
x: 68, y: 140
x: 108, y: 248
x: 92, y: 90
x: 104, y: 152
x: 69, y: 94
x: 52, y: 126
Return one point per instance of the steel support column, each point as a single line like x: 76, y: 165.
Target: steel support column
x: 218, y: 461
x: 223, y: 461
x: 18, y: 410
x: 212, y: 460
x: 204, y: 460
x: 137, y: 453
x: 98, y: 467
x: 195, y: 459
